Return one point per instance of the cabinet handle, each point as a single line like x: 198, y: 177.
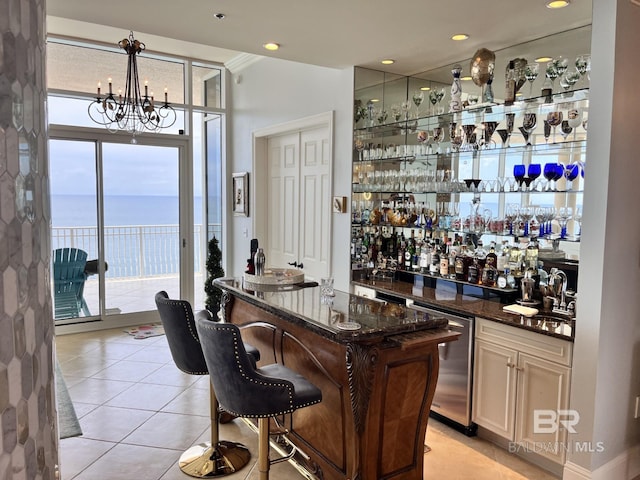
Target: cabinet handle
x: 520, y: 369
x: 510, y: 365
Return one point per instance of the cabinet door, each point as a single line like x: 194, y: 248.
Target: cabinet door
x: 494, y: 389
x: 543, y: 394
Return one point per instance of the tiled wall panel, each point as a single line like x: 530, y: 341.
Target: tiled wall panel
x: 28, y: 444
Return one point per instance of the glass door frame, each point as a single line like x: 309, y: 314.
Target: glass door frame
x: 185, y: 195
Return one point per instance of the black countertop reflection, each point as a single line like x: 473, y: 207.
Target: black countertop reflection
x: 446, y: 298
x: 332, y: 316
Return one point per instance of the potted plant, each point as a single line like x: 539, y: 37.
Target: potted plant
x: 214, y: 270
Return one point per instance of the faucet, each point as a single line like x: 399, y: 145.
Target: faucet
x: 560, y: 305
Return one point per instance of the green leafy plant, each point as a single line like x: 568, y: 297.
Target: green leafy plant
x: 214, y: 270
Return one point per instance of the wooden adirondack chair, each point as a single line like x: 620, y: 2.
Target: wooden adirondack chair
x: 68, y: 282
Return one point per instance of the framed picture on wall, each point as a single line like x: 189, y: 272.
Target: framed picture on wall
x: 241, y: 194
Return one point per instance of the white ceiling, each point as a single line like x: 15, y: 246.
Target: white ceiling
x: 332, y: 33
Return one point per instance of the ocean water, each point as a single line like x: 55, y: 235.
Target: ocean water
x: 129, y: 252
x: 80, y: 210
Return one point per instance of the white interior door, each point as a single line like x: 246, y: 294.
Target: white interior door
x: 299, y: 200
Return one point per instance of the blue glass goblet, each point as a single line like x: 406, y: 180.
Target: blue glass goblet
x: 533, y: 172
x: 519, y: 172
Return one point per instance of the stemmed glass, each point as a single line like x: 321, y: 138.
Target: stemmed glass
x: 547, y: 131
x: 489, y: 128
x: 569, y: 79
x: 577, y: 217
x: 406, y: 107
x: 519, y: 171
x: 529, y: 122
x: 526, y: 214
x: 469, y: 136
x: 565, y: 130
x: 438, y: 136
x: 561, y: 64
x: 418, y: 97
x: 531, y: 73
x: 439, y: 96
x: 554, y: 119
x: 433, y: 99
x: 563, y: 217
x: 574, y: 117
x: 396, y: 112
x: 571, y: 172
x: 583, y: 64
x: 550, y: 173
x: 533, y: 172
x: 551, y: 72
x: 510, y: 215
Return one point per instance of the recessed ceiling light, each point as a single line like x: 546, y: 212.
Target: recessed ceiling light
x: 558, y: 3
x: 374, y: 100
x: 543, y: 59
x: 459, y: 36
x: 271, y: 46
x: 388, y: 61
x: 466, y: 78
x: 424, y: 89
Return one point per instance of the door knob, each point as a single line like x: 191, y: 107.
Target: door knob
x: 296, y: 264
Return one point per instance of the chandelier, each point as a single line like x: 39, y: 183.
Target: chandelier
x: 131, y: 111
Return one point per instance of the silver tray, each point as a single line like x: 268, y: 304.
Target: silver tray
x: 276, y: 276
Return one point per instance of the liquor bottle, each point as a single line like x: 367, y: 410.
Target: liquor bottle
x: 531, y: 254
x: 503, y: 258
x: 510, y: 86
x: 444, y: 263
x: 481, y: 254
x: 460, y: 265
x: 400, y: 257
x: 452, y: 261
x: 434, y: 267
x: 492, y: 258
x: 515, y: 259
x: 473, y: 272
x: 489, y: 275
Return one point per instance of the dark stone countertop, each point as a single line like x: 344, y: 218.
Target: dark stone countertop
x: 445, y: 297
x: 328, y: 316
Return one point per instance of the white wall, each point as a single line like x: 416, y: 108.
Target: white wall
x: 606, y: 372
x: 270, y: 92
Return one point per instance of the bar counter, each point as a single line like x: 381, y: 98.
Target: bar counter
x: 376, y: 364
x: 447, y: 299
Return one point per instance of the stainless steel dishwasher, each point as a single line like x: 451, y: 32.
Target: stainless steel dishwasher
x: 452, y: 400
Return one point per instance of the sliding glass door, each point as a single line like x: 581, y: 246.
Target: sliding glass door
x: 121, y: 204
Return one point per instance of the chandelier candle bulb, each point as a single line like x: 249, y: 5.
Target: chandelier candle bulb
x: 110, y: 84
x: 99, y: 85
x: 166, y: 95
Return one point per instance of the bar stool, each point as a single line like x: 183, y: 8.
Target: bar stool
x: 247, y: 391
x: 218, y: 457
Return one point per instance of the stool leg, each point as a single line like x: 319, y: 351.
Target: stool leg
x: 263, y: 448
x: 217, y: 458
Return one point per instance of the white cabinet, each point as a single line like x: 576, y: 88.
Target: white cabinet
x: 521, y: 387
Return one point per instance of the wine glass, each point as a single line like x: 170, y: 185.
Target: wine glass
x: 551, y: 72
x: 533, y: 172
x: 563, y: 217
x: 433, y: 99
x: 574, y: 117
x: 554, y: 119
x: 565, y: 129
x: 406, y: 107
x: 438, y: 136
x: 549, y: 172
x: 547, y: 131
x: 489, y: 129
x: 583, y: 64
x: 519, y: 171
x: 469, y: 136
x: 571, y: 172
x: 440, y: 92
x: 531, y: 73
x: 569, y: 79
x: 418, y: 97
x: 529, y: 122
x: 396, y: 112
x: 577, y: 217
x: 504, y: 136
x: 561, y: 64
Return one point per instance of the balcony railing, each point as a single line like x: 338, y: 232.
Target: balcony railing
x: 135, y: 250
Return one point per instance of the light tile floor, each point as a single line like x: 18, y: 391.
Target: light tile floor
x: 138, y: 413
